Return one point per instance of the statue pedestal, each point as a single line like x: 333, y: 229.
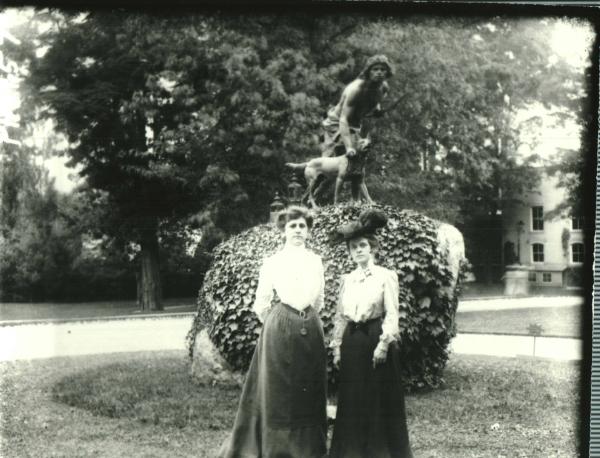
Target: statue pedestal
x: 516, y: 280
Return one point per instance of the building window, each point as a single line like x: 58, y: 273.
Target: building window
x: 546, y: 277
x: 577, y: 252
x: 577, y: 223
x: 532, y: 276
x: 538, y: 252
x: 537, y: 218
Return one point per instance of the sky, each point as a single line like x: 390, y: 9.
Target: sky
x: 571, y: 41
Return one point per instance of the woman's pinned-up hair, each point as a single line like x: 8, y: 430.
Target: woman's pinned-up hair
x: 294, y: 212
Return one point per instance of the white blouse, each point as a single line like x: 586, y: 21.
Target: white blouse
x: 296, y: 274
x: 366, y: 294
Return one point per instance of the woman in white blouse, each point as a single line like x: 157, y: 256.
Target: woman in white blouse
x: 371, y: 418
x: 282, y: 410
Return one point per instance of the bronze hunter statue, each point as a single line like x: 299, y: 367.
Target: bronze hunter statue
x: 344, y: 151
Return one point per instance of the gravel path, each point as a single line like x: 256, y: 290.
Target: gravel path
x: 30, y: 341
x: 503, y: 303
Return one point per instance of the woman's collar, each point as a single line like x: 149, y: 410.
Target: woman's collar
x: 369, y: 267
x: 289, y: 248
x: 367, y: 271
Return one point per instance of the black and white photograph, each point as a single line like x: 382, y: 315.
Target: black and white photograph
x: 285, y: 232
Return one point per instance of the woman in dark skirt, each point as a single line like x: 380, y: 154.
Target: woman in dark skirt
x: 282, y: 410
x: 371, y: 418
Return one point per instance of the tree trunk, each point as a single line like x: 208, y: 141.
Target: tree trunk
x: 149, y: 290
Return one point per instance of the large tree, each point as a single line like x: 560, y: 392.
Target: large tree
x: 173, y: 116
x: 107, y: 80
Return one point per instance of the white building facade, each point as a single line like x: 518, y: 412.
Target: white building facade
x: 551, y: 246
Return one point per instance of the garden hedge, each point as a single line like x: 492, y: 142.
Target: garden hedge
x: 409, y: 245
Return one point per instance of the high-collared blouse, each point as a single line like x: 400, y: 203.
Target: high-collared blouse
x: 296, y: 274
x: 366, y: 294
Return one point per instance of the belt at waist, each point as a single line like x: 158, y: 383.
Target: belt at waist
x: 301, y: 313
x: 363, y: 326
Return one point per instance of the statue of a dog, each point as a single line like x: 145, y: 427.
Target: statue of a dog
x: 342, y: 168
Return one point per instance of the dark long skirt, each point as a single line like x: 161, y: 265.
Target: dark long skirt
x: 282, y: 410
x: 371, y: 418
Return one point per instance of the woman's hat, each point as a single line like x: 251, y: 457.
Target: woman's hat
x: 368, y: 222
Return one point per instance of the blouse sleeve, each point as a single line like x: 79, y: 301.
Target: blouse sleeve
x: 339, y: 321
x: 321, y: 288
x: 264, y: 291
x: 390, y: 328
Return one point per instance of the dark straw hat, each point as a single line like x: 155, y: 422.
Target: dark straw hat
x: 368, y: 222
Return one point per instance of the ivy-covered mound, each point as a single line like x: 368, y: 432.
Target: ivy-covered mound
x: 410, y: 244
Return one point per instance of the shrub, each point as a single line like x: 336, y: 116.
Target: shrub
x: 409, y: 245
x: 574, y: 276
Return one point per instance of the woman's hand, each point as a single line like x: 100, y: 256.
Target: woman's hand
x: 379, y: 356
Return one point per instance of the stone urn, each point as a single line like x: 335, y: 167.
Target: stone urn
x: 516, y: 280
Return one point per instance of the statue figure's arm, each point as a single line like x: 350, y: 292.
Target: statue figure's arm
x: 378, y: 111
x: 348, y: 102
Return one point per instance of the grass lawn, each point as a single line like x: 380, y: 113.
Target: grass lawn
x: 144, y: 404
x: 555, y: 321
x: 66, y: 310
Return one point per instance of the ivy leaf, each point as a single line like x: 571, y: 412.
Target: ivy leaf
x: 425, y: 302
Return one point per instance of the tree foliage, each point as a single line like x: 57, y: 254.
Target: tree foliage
x: 37, y: 245
x: 53, y: 247
x: 243, y: 96
x: 409, y: 246
x: 180, y: 115
x: 571, y: 165
x: 449, y: 146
